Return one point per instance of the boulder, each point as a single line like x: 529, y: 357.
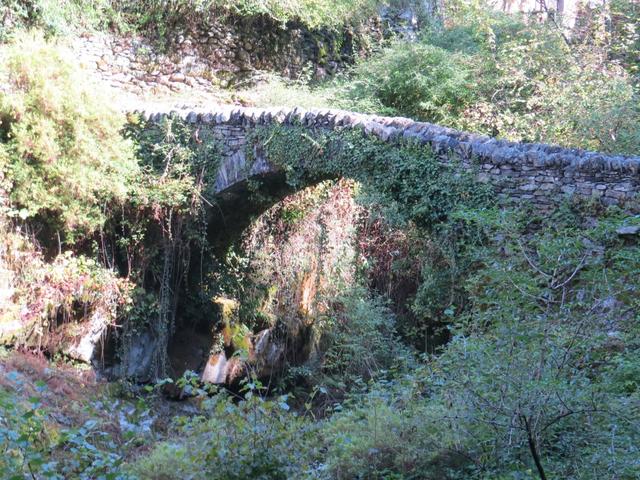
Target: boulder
x: 220, y: 370
x: 215, y: 370
x: 87, y: 343
x: 266, y: 356
x: 137, y: 362
x: 628, y: 230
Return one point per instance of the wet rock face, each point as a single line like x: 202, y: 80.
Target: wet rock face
x: 266, y: 357
x: 140, y: 355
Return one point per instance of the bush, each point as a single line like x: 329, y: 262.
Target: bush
x: 416, y: 79
x: 254, y: 438
x: 498, y: 75
x: 411, y: 188
x: 533, y: 87
x: 34, y: 445
x: 538, y: 379
x: 60, y: 144
x: 54, y: 17
x: 391, y: 432
x: 405, y: 179
x: 522, y: 377
x: 359, y: 337
x: 315, y: 14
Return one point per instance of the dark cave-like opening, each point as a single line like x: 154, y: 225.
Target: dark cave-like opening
x: 198, y: 318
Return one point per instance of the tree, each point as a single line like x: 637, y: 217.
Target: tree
x: 521, y: 378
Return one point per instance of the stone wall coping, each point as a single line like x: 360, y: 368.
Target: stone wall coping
x: 441, y: 139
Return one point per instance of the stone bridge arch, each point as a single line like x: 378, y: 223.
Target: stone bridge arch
x: 540, y: 174
x: 533, y: 172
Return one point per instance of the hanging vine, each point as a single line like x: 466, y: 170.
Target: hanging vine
x: 162, y: 224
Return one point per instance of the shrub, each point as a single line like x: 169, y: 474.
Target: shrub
x: 300, y: 255
x: 359, y: 337
x: 502, y: 76
x: 593, y: 108
x: 406, y: 182
x: 254, y: 438
x: 55, y: 304
x: 60, y: 142
x: 54, y: 17
x: 331, y: 13
x: 522, y: 376
x: 34, y: 445
x: 533, y: 87
x: 538, y: 379
x: 391, y: 432
x: 160, y: 224
x: 416, y: 79
x: 406, y: 179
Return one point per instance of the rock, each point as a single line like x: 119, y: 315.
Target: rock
x: 139, y: 357
x: 243, y: 56
x: 220, y: 371
x: 177, y: 77
x: 320, y: 73
x: 215, y: 371
x: 189, y: 60
x: 122, y: 61
x: 87, y: 346
x: 268, y: 354
x: 628, y: 231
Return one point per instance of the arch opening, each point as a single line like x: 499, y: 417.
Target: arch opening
x: 233, y: 320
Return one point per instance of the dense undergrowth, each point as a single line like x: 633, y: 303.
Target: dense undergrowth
x: 429, y: 332
x: 160, y: 16
x: 505, y: 76
x: 544, y: 351
x: 537, y: 379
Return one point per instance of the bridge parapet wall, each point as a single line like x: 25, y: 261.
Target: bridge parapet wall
x: 539, y: 173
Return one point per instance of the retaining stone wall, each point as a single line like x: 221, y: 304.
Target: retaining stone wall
x: 538, y: 173
x: 217, y: 55
x: 218, y: 51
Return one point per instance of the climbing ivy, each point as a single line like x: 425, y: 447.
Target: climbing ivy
x: 406, y: 177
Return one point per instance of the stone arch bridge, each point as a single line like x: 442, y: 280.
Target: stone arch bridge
x: 538, y: 173
x: 541, y: 174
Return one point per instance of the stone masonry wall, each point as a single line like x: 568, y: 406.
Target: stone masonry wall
x: 538, y: 173
x: 216, y: 52
x: 219, y: 54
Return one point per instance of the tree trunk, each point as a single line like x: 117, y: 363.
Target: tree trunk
x: 534, y: 450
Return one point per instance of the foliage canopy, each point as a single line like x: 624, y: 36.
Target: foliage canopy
x: 60, y: 143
